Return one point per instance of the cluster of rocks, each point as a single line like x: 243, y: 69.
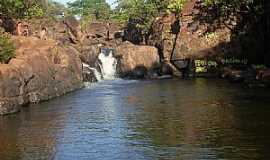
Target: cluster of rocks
x: 134, y: 61
x: 44, y: 69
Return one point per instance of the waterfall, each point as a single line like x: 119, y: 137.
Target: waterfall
x: 107, y: 64
x: 96, y: 73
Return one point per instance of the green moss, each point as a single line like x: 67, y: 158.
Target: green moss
x: 7, y: 49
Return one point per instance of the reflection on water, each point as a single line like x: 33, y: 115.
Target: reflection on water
x: 170, y: 119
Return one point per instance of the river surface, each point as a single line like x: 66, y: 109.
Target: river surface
x: 143, y: 120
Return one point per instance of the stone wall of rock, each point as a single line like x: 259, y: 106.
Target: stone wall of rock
x: 41, y: 70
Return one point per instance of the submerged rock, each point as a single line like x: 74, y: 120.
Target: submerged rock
x: 41, y: 70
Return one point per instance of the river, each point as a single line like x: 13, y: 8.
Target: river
x: 143, y: 120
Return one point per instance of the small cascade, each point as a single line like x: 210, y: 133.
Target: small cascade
x: 105, y: 68
x: 107, y: 64
x: 98, y: 76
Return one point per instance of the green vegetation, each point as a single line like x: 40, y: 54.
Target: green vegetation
x: 21, y: 9
x: 53, y: 9
x: 90, y: 9
x: 176, y: 6
x: 248, y: 20
x: 7, y: 48
x: 144, y: 12
x: 230, y: 13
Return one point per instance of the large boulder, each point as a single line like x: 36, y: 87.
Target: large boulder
x: 41, y: 70
x: 136, y: 59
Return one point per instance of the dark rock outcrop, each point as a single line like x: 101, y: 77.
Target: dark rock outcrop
x: 89, y: 75
x: 41, y: 70
x: 133, y: 33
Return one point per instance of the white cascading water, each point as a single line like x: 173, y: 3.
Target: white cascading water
x: 108, y: 64
x: 96, y: 73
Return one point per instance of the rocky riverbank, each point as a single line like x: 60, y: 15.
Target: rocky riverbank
x: 44, y: 69
x: 40, y: 71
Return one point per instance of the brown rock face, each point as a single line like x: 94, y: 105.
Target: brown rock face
x: 41, y: 70
x: 89, y: 54
x: 190, y: 41
x: 133, y: 57
x: 196, y: 40
x: 162, y: 36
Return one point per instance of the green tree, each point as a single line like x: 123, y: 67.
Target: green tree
x: 96, y: 9
x: 145, y: 11
x: 244, y: 12
x: 55, y: 9
x: 22, y: 8
x: 142, y: 11
x: 31, y: 8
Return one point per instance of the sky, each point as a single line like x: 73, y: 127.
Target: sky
x: 65, y: 1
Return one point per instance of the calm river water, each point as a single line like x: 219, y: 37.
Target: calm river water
x: 143, y: 120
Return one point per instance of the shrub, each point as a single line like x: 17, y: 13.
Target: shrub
x: 176, y: 6
x: 7, y: 48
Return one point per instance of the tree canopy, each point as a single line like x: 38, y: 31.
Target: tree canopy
x: 227, y: 12
x: 96, y: 9
x: 144, y: 12
x: 20, y: 9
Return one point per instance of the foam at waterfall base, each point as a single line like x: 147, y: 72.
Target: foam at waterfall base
x: 108, y: 83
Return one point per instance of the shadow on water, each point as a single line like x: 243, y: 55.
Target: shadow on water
x: 166, y: 119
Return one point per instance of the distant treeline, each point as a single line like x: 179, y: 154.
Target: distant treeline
x: 22, y: 9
